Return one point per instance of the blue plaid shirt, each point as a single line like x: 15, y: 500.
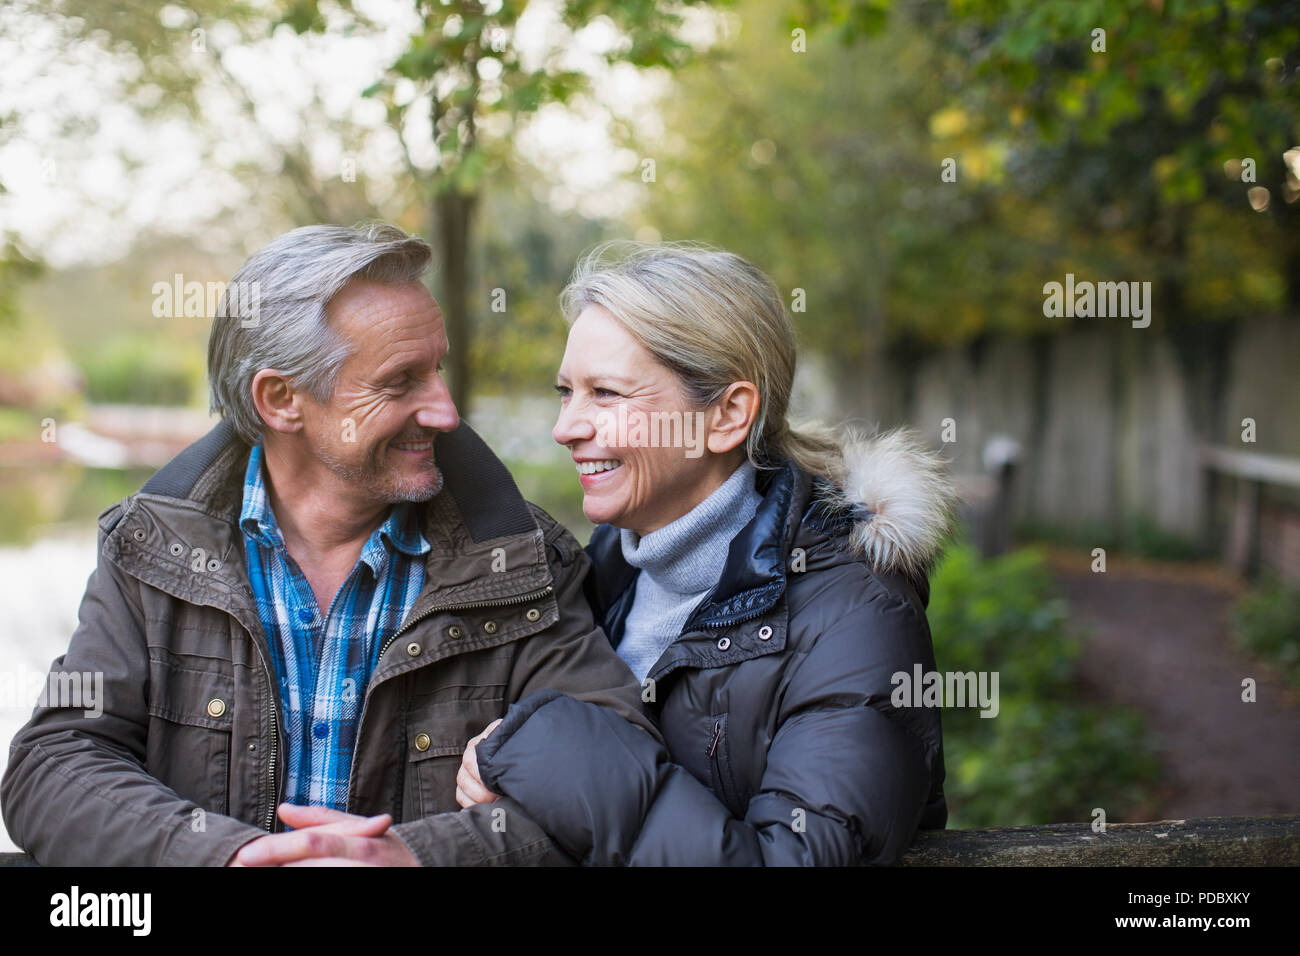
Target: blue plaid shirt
x: 324, y: 662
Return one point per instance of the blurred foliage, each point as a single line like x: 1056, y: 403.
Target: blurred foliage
x: 34, y: 498
x: 466, y: 68
x: 142, y: 371
x: 17, y: 265
x: 811, y: 137
x: 1139, y: 536
x: 1267, y: 623
x: 555, y: 488
x: 1049, y: 755
x: 527, y: 251
x: 1139, y: 113
x: 825, y: 166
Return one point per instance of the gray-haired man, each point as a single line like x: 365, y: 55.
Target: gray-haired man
x: 304, y: 616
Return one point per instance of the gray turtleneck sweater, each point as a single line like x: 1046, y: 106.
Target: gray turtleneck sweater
x: 680, y: 564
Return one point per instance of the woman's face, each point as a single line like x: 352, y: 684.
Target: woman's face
x: 641, y: 450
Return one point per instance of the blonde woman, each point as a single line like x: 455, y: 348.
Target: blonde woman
x: 762, y: 583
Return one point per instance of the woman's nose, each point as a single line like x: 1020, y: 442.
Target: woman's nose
x: 572, y: 425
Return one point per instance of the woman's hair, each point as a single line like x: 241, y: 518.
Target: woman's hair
x: 272, y: 314
x: 712, y: 318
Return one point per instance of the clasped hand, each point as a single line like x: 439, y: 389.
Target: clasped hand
x: 325, y: 837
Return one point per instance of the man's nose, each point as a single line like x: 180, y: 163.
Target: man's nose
x: 573, y: 424
x: 437, y: 411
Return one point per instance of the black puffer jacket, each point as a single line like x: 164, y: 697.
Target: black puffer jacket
x: 775, y: 699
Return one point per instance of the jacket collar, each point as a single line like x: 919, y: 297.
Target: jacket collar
x: 180, y: 532
x: 890, y: 509
x: 754, y: 576
x: 397, y: 532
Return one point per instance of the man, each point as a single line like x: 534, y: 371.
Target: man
x: 304, y: 617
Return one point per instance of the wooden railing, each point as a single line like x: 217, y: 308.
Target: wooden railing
x: 1209, y: 841
x: 1252, y: 471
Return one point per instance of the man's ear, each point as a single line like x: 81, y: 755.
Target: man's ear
x: 277, y: 401
x: 731, y: 417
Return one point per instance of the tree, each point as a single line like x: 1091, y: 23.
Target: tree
x: 466, y: 78
x: 467, y: 74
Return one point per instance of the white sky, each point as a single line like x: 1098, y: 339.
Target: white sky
x: 74, y: 200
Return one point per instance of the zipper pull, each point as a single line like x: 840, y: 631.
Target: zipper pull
x: 717, y: 735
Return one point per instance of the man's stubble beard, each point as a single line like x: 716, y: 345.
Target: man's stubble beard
x: 375, y: 479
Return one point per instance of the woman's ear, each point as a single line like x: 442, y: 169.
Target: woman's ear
x: 731, y: 417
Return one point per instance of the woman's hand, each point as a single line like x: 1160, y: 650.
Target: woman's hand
x: 469, y: 787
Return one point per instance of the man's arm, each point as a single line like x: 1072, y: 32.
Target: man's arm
x: 76, y: 791
x: 574, y: 657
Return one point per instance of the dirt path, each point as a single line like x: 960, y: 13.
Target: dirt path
x: 1160, y: 644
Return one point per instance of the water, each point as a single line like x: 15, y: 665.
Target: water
x: 41, y: 586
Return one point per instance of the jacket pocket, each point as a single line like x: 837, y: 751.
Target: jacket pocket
x: 722, y: 777
x: 191, y: 710
x: 436, y: 735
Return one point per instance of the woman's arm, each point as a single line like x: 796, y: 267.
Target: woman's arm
x: 846, y: 781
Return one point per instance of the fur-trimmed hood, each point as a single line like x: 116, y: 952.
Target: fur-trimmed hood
x: 902, y: 498
x: 890, y: 510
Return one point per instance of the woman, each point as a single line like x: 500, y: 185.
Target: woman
x: 763, y: 583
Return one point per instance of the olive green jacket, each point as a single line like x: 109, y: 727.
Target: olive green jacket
x: 185, y: 764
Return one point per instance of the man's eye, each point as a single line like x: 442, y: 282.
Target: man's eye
x: 605, y: 392
x: 563, y: 390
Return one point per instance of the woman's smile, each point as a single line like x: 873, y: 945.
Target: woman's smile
x: 593, y: 472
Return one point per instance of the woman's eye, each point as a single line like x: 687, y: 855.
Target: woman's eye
x: 604, y: 392
x: 562, y: 390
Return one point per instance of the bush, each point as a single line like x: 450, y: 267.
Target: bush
x: 142, y: 371
x: 1049, y: 755
x: 1266, y: 622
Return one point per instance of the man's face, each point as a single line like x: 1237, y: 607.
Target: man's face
x: 390, y: 401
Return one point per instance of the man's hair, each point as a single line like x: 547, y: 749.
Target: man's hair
x: 272, y: 314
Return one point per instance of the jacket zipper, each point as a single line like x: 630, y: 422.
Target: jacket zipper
x: 275, y: 742
x: 717, y: 736
x: 735, y: 621
x: 719, y: 772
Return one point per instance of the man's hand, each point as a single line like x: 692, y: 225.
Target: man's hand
x: 469, y: 786
x: 325, y: 837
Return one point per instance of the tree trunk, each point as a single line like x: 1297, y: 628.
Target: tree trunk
x: 453, y: 213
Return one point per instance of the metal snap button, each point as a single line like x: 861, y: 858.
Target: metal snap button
x: 764, y: 633
x: 176, y: 548
x: 216, y: 707
x: 138, y: 534
x: 422, y: 742
x: 490, y: 627
x: 454, y: 632
x: 413, y: 649
x: 533, y: 614
x: 213, y: 564
x: 724, y: 643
